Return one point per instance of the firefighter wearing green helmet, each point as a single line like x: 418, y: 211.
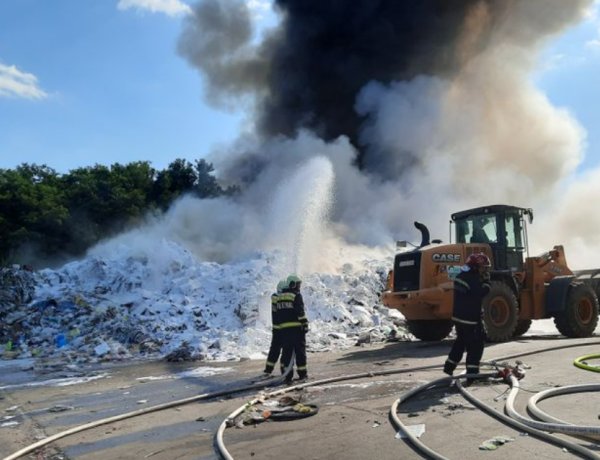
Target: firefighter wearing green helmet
x: 276, y: 344
x: 290, y: 319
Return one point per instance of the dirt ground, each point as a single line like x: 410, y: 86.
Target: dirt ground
x: 352, y: 422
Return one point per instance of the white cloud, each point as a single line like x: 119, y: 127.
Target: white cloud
x: 593, y: 44
x: 15, y: 83
x: 259, y: 5
x: 593, y: 15
x: 553, y: 62
x: 168, y: 7
x: 259, y: 9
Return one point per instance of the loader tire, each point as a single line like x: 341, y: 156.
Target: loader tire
x: 580, y: 316
x: 523, y: 326
x: 500, y: 312
x: 429, y: 329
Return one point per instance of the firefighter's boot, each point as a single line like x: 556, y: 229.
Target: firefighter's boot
x: 472, y: 369
x: 449, y: 367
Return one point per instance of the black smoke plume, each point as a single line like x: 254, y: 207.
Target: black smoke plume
x: 307, y: 72
x: 329, y: 50
x: 435, y: 97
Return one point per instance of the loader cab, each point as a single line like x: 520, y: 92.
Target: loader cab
x: 502, y: 227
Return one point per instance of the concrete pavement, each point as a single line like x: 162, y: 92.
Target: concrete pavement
x: 352, y: 423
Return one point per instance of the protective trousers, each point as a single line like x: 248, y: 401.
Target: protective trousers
x: 469, y: 337
x: 294, y: 343
x: 274, y: 351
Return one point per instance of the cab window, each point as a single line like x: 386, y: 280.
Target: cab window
x: 514, y: 232
x: 477, y: 229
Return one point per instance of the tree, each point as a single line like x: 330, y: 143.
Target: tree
x: 55, y: 215
x: 206, y: 184
x: 32, y: 211
x: 104, y: 200
x: 171, y: 183
x: 131, y: 186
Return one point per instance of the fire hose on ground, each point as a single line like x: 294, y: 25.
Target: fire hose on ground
x: 517, y: 424
x: 532, y: 407
x: 224, y: 453
x: 219, y: 435
x: 219, y: 443
x: 582, y: 364
x: 551, y: 424
x: 147, y: 410
x: 582, y: 451
x: 533, y: 427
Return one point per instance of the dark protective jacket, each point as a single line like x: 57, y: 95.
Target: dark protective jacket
x: 469, y: 291
x: 288, y: 311
x: 276, y: 342
x: 292, y: 325
x: 274, y: 298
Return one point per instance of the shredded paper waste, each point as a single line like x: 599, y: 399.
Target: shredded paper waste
x: 179, y: 308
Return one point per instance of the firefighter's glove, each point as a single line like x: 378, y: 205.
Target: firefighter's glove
x: 305, y: 328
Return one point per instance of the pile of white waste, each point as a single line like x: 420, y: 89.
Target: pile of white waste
x: 176, y: 307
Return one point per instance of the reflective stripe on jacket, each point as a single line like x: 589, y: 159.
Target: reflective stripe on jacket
x: 469, y: 291
x: 274, y: 298
x: 288, y: 310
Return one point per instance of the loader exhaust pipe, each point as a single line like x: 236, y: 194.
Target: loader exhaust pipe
x: 424, y: 233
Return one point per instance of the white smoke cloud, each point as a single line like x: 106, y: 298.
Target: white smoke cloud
x: 572, y: 220
x: 306, y: 206
x: 485, y: 135
x: 489, y: 136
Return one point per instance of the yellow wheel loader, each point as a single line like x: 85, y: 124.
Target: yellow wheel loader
x: 523, y: 288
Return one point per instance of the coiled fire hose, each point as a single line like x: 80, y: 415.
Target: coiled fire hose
x: 432, y: 454
x: 219, y: 443
x: 581, y: 363
x: 585, y: 453
x: 147, y: 410
x: 224, y: 453
x: 578, y: 431
x: 560, y: 427
x: 275, y: 382
x: 429, y: 453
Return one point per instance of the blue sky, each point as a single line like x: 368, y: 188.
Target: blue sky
x: 86, y: 82
x: 569, y: 73
x: 100, y: 84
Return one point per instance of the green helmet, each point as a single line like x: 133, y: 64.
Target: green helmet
x: 281, y: 286
x: 293, y: 281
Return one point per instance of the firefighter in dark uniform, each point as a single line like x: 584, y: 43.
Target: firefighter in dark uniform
x: 290, y: 318
x: 275, y: 348
x: 470, y: 287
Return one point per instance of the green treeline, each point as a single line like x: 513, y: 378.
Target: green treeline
x: 46, y: 216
